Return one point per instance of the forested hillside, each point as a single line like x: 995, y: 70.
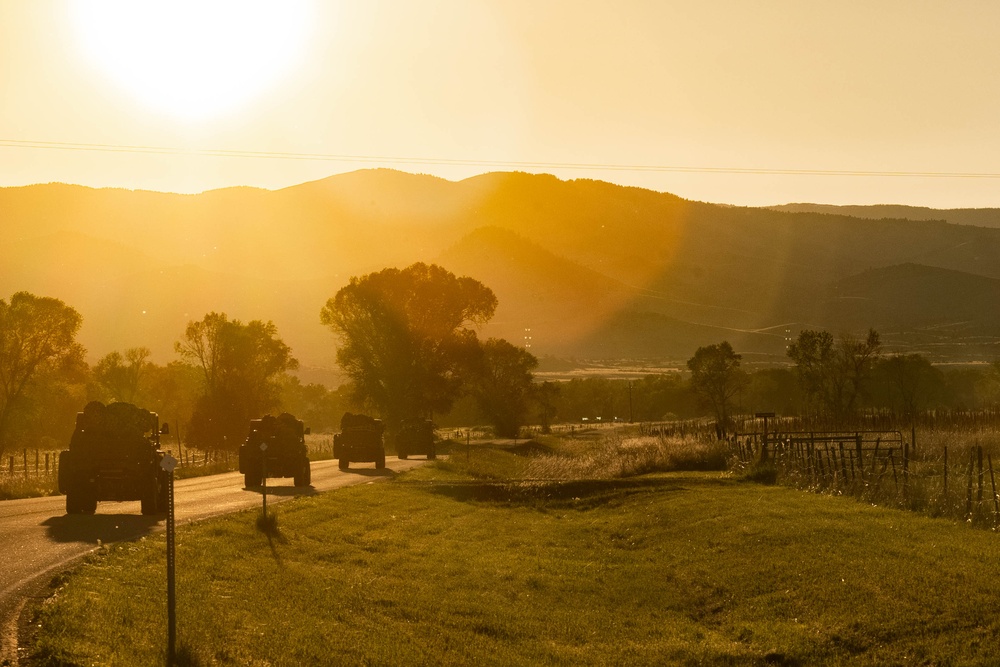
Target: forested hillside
x: 592, y: 269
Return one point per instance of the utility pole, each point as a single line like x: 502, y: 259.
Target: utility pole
x: 629, y: 401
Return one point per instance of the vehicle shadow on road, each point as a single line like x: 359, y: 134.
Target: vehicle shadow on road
x: 89, y: 528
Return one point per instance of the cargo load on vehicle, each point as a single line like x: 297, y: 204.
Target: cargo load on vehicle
x: 114, y: 454
x: 359, y: 441
x: 284, y: 452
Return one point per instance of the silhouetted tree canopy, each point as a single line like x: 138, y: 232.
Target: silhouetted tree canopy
x: 119, y: 374
x: 911, y: 382
x: 834, y: 376
x: 716, y: 377
x: 404, y: 338
x: 241, y: 365
x: 37, y: 344
x: 503, y: 385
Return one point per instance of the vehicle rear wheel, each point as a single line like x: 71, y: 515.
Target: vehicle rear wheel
x: 343, y: 463
x: 380, y: 461
x: 251, y: 480
x: 302, y: 478
x: 402, y: 454
x: 432, y: 454
x: 73, y: 505
x: 89, y: 502
x: 148, y: 502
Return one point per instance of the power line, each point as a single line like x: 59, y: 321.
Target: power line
x: 385, y: 159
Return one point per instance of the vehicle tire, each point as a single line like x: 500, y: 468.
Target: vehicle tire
x: 251, y: 479
x: 73, y: 503
x: 380, y: 461
x: 148, y: 501
x: 65, y: 470
x: 309, y: 474
x: 302, y: 477
x: 402, y: 454
x: 343, y: 463
x: 89, y: 502
x: 432, y: 454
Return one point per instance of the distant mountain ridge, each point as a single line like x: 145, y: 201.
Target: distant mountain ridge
x: 586, y: 268
x: 977, y: 217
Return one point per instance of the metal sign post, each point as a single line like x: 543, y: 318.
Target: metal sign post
x: 263, y: 473
x: 169, y: 463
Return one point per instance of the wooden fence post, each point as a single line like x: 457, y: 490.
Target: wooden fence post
x: 906, y: 473
x: 843, y: 463
x: 979, y: 468
x: 993, y: 483
x: 968, y: 496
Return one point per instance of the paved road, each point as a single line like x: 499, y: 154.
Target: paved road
x: 38, y: 538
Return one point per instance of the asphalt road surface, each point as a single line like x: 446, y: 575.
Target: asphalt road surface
x: 38, y: 538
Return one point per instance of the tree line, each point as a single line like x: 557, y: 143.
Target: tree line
x: 407, y: 340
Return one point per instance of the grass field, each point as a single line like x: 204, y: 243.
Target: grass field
x: 460, y: 562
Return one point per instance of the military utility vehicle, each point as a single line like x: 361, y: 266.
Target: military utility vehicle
x: 359, y: 440
x: 416, y: 436
x: 114, y: 454
x: 284, y: 453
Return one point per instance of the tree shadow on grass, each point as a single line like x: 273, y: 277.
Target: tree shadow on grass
x: 91, y: 528
x: 573, y: 494
x: 283, y: 490
x: 371, y: 472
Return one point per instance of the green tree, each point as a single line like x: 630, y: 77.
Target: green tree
x: 835, y: 376
x: 404, y: 340
x: 503, y: 385
x: 241, y: 365
x: 545, y: 397
x: 912, y: 382
x: 37, y: 344
x: 319, y: 407
x: 716, y: 378
x: 120, y: 375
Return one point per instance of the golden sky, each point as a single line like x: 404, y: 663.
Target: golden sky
x: 694, y: 98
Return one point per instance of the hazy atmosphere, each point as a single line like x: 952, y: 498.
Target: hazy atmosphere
x: 742, y: 103
x: 499, y: 332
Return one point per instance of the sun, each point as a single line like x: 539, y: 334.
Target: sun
x: 193, y: 59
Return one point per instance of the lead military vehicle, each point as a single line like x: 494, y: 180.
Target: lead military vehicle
x: 285, y: 454
x: 359, y: 440
x: 114, y: 454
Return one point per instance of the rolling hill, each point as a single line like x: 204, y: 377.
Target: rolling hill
x: 594, y: 270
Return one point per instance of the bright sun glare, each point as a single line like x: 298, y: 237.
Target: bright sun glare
x: 193, y: 58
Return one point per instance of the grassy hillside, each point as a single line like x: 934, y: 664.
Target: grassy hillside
x: 456, y: 565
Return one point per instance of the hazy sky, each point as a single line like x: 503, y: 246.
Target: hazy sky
x: 722, y: 89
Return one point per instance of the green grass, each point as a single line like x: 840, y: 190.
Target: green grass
x: 438, y: 567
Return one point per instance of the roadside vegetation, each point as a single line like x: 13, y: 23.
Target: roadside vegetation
x: 478, y: 560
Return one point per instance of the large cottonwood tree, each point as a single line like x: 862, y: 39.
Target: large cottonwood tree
x: 716, y: 378
x: 834, y: 374
x: 405, y: 337
x: 241, y: 365
x: 503, y: 385
x: 37, y: 341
